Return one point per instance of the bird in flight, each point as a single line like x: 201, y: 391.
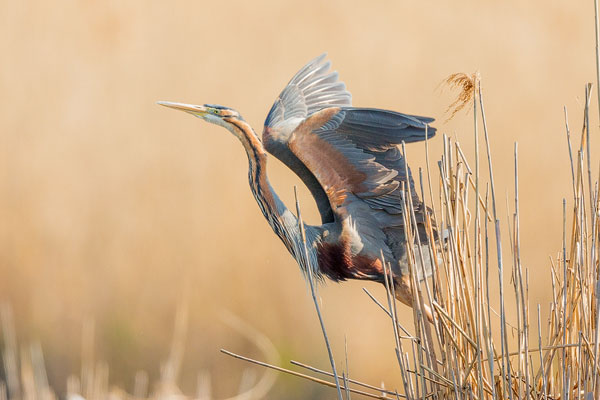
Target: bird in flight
x: 349, y: 159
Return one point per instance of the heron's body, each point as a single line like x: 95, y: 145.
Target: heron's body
x: 349, y: 159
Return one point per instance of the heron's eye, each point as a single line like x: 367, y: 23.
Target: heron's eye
x: 214, y: 111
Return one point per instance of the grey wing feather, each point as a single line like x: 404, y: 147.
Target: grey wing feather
x: 314, y: 87
x: 376, y: 134
x: 378, y: 130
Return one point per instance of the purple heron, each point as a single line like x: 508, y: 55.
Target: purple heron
x: 349, y: 159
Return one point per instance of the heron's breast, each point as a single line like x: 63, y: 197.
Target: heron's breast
x: 337, y: 262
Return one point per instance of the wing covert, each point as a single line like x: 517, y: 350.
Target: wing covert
x: 376, y: 134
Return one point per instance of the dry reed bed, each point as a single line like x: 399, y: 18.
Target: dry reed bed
x: 458, y: 356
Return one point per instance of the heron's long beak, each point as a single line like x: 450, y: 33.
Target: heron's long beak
x: 190, y: 108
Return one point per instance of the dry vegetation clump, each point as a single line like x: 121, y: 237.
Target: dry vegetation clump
x: 474, y: 351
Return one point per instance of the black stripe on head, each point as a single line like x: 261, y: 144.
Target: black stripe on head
x: 226, y: 111
x: 218, y: 107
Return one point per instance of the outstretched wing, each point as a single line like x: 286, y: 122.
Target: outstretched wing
x: 353, y: 155
x: 313, y: 117
x: 352, y: 152
x: 314, y: 87
x: 347, y: 157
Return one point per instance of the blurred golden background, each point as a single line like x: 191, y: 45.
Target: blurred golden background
x: 112, y: 207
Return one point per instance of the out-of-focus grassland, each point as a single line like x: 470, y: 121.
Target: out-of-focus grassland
x: 112, y: 207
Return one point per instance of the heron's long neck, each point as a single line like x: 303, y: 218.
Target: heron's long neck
x: 283, y: 222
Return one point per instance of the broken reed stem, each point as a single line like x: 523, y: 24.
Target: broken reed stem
x: 524, y: 339
x: 309, y: 266
x: 353, y: 381
x: 597, y: 31
x: 308, y: 377
x: 477, y: 251
x: 505, y: 373
x: 596, y: 383
x: 346, y: 374
x: 391, y: 304
x: 408, y: 335
x: 570, y: 150
x: 586, y: 127
x: 564, y: 304
x: 544, y: 377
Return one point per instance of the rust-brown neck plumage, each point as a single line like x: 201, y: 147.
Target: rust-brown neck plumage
x: 282, y: 221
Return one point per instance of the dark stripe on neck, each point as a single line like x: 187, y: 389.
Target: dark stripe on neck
x: 259, y: 183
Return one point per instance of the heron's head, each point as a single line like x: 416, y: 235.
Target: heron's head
x: 213, y: 113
